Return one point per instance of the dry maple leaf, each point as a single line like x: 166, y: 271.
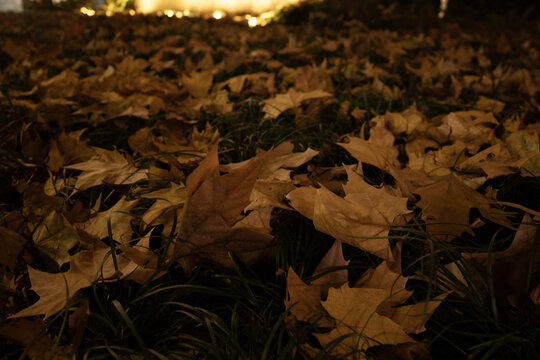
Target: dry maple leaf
x: 175, y: 140
x: 86, y: 267
x: 445, y: 202
x: 362, y: 218
x: 525, y: 144
x: 68, y: 148
x: 355, y: 313
x: 106, y: 167
x: 368, y: 314
x: 167, y: 200
x: 510, y: 269
x: 212, y: 222
x: 274, y: 179
x: 119, y: 218
x: 198, y: 84
x: 373, y: 154
x: 54, y: 290
x: 54, y: 237
x: 304, y: 301
x: 275, y: 106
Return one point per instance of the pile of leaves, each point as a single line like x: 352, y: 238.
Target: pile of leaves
x: 356, y: 192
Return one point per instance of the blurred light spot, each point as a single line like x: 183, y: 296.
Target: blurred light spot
x: 253, y: 22
x: 217, y: 14
x: 442, y: 9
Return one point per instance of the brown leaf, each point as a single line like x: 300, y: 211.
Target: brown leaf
x: 274, y: 179
x: 363, y: 218
x: 212, y: 223
x: 106, y: 167
x: 509, y: 268
x: 304, y: 301
x: 306, y: 79
x: 369, y: 153
x: 198, y: 84
x: 54, y: 237
x: 275, y: 106
x: 55, y: 291
x: 355, y: 313
x: 167, y: 199
x: 119, y: 218
x: 446, y: 202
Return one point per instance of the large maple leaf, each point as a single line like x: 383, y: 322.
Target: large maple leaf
x: 509, y: 271
x: 446, y: 202
x: 212, y: 223
x: 362, y: 218
x: 274, y: 180
x: 368, y: 314
x: 86, y: 267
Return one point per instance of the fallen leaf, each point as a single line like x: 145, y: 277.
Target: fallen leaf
x: 54, y: 237
x: 212, y: 222
x: 304, y: 301
x: 56, y: 290
x: 198, y: 84
x: 274, y: 179
x: 446, y: 202
x: 366, y: 152
x: 106, y: 167
x: 355, y: 313
x: 509, y: 268
x: 119, y: 218
x: 362, y: 218
x: 282, y: 102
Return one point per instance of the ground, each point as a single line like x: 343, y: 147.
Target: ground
x: 331, y: 185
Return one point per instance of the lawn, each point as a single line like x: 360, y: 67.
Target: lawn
x: 341, y: 183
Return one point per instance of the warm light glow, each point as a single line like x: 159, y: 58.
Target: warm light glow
x: 253, y: 22
x: 90, y: 12
x: 187, y: 12
x: 209, y: 6
x: 169, y: 13
x: 179, y: 14
x: 442, y: 9
x: 109, y: 13
x: 132, y: 12
x: 217, y: 14
x: 84, y: 10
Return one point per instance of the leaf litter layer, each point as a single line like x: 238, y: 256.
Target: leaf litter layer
x: 200, y: 189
